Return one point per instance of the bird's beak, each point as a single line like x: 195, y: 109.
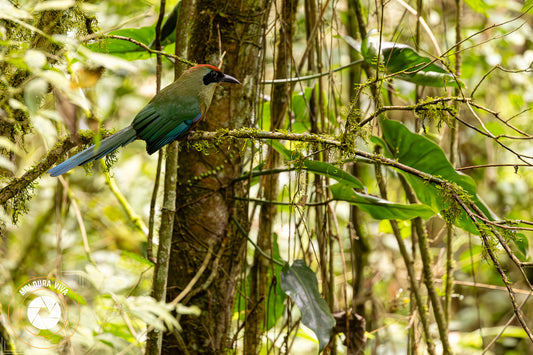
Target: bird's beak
x: 230, y: 79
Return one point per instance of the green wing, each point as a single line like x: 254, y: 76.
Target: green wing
x: 163, y: 121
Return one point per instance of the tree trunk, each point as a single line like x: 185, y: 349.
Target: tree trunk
x: 208, y: 217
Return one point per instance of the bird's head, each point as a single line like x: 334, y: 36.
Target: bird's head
x: 210, y: 75
x: 201, y: 80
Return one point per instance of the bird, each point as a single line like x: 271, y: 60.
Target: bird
x: 170, y: 115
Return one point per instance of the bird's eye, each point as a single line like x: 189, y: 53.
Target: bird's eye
x: 213, y: 76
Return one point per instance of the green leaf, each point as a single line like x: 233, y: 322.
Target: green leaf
x: 76, y: 297
x: 377, y: 207
x: 301, y: 285
x: 125, y: 49
x: 264, y: 120
x: 300, y: 106
x: 318, y: 167
x: 424, y: 155
x: 276, y: 296
x: 479, y: 6
x: 300, y: 103
x: 407, y: 63
x: 118, y: 329
x: 137, y: 257
x: 169, y: 26
x: 522, y: 244
x: 527, y: 6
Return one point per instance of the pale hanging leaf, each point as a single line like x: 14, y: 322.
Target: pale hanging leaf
x: 8, y: 11
x: 7, y: 164
x: 34, y: 92
x: 107, y: 61
x: 8, y: 145
x: 54, y: 5
x: 35, y: 59
x: 157, y: 314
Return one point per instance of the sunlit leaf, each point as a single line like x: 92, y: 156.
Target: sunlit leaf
x: 54, y: 5
x: 301, y: 285
x: 527, y: 6
x: 35, y: 59
x: 76, y: 297
x: 9, y: 146
x: 7, y: 164
x: 113, y: 339
x: 34, y: 92
x: 478, y: 6
x: 137, y: 257
x: 116, y: 330
x: 158, y: 314
x: 116, y: 63
x: 8, y: 11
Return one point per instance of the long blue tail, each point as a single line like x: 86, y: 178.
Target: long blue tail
x: 106, y: 146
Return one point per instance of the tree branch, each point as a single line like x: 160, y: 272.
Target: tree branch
x: 18, y: 185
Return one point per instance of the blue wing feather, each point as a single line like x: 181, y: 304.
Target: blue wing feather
x: 106, y: 146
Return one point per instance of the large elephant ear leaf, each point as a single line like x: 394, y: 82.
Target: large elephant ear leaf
x: 423, y: 154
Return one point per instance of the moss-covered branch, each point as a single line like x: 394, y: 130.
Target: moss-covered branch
x: 19, y: 185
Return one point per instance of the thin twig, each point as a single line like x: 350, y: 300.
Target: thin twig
x: 153, y: 202
x: 409, y: 265
x: 81, y: 224
x: 195, y: 279
x: 314, y: 76
x: 123, y: 201
x: 268, y: 257
x: 171, y: 57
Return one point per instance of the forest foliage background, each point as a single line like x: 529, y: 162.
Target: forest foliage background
x: 403, y: 183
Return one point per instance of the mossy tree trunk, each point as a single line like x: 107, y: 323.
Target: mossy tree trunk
x: 206, y: 227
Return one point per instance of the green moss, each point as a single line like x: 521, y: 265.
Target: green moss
x: 437, y: 113
x: 453, y: 209
x: 17, y: 205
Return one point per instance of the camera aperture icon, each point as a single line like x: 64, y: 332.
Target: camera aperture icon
x: 44, y: 312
